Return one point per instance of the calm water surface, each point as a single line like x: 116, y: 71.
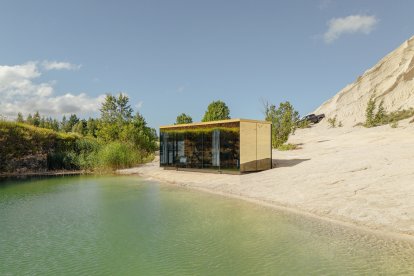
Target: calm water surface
x: 128, y: 226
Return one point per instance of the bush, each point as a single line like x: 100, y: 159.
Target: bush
x: 304, y: 124
x: 381, y: 117
x: 286, y: 147
x: 284, y: 122
x: 332, y: 122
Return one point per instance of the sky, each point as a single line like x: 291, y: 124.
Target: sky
x: 170, y: 57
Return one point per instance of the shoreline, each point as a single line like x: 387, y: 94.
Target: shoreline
x: 385, y: 234
x: 46, y: 173
x: 357, y: 177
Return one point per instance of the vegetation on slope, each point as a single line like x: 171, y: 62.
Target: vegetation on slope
x: 117, y: 139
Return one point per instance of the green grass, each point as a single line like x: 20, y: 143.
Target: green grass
x: 286, y: 147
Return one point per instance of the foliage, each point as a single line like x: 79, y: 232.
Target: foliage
x: 284, y: 121
x: 285, y: 147
x: 304, y: 124
x: 381, y: 114
x: 381, y: 117
x: 117, y: 155
x: 394, y: 124
x: 216, y: 110
x: 80, y: 144
x: 198, y: 130
x: 333, y: 122
x: 183, y: 119
x: 369, y: 113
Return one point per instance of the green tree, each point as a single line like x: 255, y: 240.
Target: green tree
x: 183, y: 119
x: 369, y: 112
x: 284, y: 122
x: 36, y: 119
x: 91, y: 127
x: 80, y: 127
x: 20, y: 118
x: 116, y: 109
x: 216, y: 110
x: 29, y: 119
x: 381, y: 114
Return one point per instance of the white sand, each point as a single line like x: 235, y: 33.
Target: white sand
x: 391, y: 80
x: 353, y: 175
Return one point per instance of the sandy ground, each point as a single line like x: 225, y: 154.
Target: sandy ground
x: 357, y: 176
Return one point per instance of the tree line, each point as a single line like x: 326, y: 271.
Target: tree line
x: 285, y: 119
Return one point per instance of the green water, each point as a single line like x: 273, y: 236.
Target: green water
x: 128, y: 226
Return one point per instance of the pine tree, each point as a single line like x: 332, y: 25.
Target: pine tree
x: 369, y: 113
x: 20, y: 118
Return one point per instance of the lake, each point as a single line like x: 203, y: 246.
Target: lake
x: 87, y: 225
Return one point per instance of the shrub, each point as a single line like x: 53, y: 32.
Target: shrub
x: 284, y: 122
x: 304, y: 124
x: 394, y: 124
x: 117, y: 155
x: 332, y: 122
x: 369, y: 113
x: 286, y: 147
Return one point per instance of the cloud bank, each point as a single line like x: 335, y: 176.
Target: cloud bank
x: 21, y: 92
x: 349, y: 25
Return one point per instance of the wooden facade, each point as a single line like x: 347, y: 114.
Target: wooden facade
x: 235, y: 145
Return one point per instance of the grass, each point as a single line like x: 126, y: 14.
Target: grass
x: 286, y: 147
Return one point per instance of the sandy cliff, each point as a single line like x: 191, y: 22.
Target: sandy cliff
x: 391, y: 79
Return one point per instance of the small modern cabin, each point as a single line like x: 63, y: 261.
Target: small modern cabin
x: 228, y: 146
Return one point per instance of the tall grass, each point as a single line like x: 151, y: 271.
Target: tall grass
x: 117, y: 155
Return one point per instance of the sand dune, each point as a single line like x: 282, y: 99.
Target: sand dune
x: 391, y: 80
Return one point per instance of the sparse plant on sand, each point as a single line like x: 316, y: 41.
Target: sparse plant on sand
x: 332, y: 122
x: 394, y: 124
x: 381, y: 117
x: 288, y: 146
x: 369, y: 112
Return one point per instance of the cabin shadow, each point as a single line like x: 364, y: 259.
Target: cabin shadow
x: 281, y: 163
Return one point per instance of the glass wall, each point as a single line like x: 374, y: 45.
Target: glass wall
x: 214, y: 147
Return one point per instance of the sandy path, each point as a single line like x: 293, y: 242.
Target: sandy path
x: 354, y: 175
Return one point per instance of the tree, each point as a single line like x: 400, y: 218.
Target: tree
x: 36, y: 119
x: 216, y: 110
x: 91, y: 126
x: 369, y: 112
x: 20, y: 118
x: 80, y: 127
x: 284, y: 121
x: 183, y: 119
x: 116, y: 109
x: 29, y: 119
x: 381, y: 114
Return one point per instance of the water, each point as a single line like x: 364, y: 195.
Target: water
x: 128, y: 226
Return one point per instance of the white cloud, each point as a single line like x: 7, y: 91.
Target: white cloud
x: 20, y: 92
x: 350, y: 24
x: 55, y: 65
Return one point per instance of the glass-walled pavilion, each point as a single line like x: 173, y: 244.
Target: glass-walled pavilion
x: 224, y: 146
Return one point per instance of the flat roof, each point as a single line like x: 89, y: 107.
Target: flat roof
x: 216, y: 122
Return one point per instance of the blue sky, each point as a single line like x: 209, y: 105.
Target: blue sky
x: 178, y: 56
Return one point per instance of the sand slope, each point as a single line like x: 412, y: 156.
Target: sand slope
x: 391, y: 79
x: 357, y: 175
